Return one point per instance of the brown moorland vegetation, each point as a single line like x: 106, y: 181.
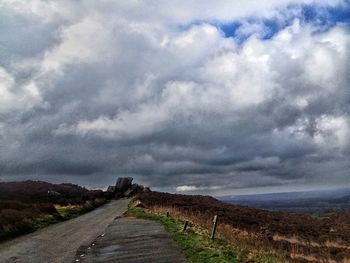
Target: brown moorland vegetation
x: 301, y: 238
x: 43, y: 192
x: 29, y: 205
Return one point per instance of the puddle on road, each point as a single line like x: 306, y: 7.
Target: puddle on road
x: 109, y: 249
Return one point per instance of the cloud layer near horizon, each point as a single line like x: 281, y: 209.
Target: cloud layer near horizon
x: 92, y: 90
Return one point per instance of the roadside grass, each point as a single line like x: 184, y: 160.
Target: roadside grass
x: 72, y: 211
x: 196, y: 244
x: 27, y: 226
x: 31, y: 224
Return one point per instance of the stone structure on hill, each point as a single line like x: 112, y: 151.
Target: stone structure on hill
x: 125, y: 188
x: 123, y: 184
x: 111, y: 189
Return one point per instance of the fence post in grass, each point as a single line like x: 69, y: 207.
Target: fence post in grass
x: 215, y: 222
x: 185, y: 226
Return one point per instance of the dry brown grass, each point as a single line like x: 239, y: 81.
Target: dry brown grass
x: 27, y: 206
x: 299, y: 238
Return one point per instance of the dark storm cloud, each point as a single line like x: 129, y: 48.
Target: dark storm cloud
x: 91, y: 91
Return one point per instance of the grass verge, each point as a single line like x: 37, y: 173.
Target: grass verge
x: 27, y: 226
x: 71, y: 211
x: 196, y: 244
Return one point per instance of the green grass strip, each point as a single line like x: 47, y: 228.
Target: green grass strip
x: 199, y: 248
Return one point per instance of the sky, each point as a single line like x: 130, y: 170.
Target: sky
x: 196, y: 97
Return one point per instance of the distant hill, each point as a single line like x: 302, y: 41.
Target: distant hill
x: 317, y: 203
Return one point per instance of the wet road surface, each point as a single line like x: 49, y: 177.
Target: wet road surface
x: 131, y: 240
x: 59, y: 242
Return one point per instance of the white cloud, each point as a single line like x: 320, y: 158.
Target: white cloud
x: 15, y: 97
x: 82, y: 42
x: 332, y: 132
x: 128, y: 124
x: 227, y: 80
x: 173, y: 95
x: 185, y: 188
x: 192, y: 188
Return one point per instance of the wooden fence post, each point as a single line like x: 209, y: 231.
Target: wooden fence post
x: 185, y: 226
x: 215, y: 222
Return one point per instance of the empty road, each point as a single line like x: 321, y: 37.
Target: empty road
x: 132, y: 240
x: 59, y: 242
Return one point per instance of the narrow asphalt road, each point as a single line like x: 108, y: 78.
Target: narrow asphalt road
x: 132, y: 240
x: 60, y: 242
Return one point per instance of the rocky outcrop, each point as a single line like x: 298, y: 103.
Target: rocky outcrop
x: 123, y: 184
x: 125, y: 188
x: 110, y: 189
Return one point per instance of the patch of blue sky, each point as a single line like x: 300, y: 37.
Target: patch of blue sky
x: 263, y: 28
x: 326, y: 17
x: 320, y: 17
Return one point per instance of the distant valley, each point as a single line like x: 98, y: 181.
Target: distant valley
x: 317, y: 203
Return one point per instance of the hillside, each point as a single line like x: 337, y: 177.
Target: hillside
x: 301, y: 238
x: 29, y: 205
x: 43, y: 192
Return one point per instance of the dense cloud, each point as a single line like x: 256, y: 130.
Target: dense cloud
x: 91, y: 90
